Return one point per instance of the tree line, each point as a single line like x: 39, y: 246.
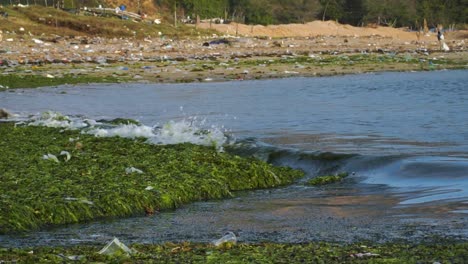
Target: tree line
x: 398, y: 13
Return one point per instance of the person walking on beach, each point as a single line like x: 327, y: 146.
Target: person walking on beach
x: 441, y: 38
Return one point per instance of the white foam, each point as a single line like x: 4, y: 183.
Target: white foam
x: 57, y: 120
x: 173, y: 132
x: 185, y: 131
x: 126, y: 131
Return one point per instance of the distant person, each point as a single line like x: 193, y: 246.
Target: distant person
x: 440, y: 35
x: 441, y: 38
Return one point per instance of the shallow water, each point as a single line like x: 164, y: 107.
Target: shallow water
x: 408, y: 133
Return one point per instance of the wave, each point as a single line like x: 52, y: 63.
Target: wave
x: 172, y: 132
x: 422, y: 179
x: 435, y: 178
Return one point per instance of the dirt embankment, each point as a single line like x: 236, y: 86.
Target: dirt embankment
x: 318, y: 28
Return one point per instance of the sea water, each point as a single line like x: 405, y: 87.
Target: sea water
x: 402, y: 136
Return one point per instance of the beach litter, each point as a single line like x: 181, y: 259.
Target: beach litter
x: 72, y: 258
x: 229, y: 237
x: 51, y: 157
x: 116, y: 247
x: 133, y: 170
x: 67, y: 154
x: 364, y: 255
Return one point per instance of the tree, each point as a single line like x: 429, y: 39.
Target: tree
x: 332, y: 9
x: 353, y: 12
x: 390, y: 12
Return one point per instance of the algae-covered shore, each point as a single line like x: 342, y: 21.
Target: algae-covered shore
x: 52, y: 176
x: 446, y: 252
x: 55, y: 176
x: 222, y: 67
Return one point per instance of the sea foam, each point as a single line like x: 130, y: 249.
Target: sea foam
x: 172, y: 132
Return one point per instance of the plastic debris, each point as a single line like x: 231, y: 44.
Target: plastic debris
x: 37, y: 41
x: 229, y: 237
x: 51, y: 157
x: 445, y: 47
x: 132, y: 170
x: 362, y: 255
x: 149, y: 188
x: 68, y: 155
x: 73, y: 199
x: 73, y: 258
x: 115, y: 247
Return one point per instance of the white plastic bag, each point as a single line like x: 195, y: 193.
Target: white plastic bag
x: 229, y: 237
x: 115, y: 246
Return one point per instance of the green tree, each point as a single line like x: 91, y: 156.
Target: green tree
x: 390, y: 12
x: 295, y: 11
x: 332, y: 9
x: 353, y: 12
x: 259, y: 12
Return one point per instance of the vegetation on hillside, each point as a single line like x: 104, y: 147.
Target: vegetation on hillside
x: 397, y: 13
x: 356, y: 12
x: 39, y: 20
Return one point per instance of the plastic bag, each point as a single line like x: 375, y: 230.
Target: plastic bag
x: 115, y: 247
x: 229, y: 237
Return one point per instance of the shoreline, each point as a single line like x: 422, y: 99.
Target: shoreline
x: 94, y: 60
x: 186, y: 252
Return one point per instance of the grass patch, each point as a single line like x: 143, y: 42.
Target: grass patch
x: 322, y: 180
x: 258, y: 253
x: 49, y: 21
x: 13, y: 81
x: 98, y: 180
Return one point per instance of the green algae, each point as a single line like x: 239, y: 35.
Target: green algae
x: 121, y: 121
x: 98, y: 180
x: 446, y: 252
x: 328, y: 179
x: 13, y: 81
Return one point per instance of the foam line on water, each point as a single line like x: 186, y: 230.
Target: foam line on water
x: 172, y: 132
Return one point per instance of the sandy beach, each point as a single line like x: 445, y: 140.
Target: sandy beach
x: 257, y: 52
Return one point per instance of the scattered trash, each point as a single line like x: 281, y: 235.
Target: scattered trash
x: 73, y: 258
x: 115, y: 247
x: 38, y: 41
x: 132, y: 170
x: 362, y: 255
x: 149, y: 188
x: 50, y: 76
x: 73, y: 199
x: 68, y: 155
x: 229, y: 237
x: 445, y: 47
x: 51, y: 157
